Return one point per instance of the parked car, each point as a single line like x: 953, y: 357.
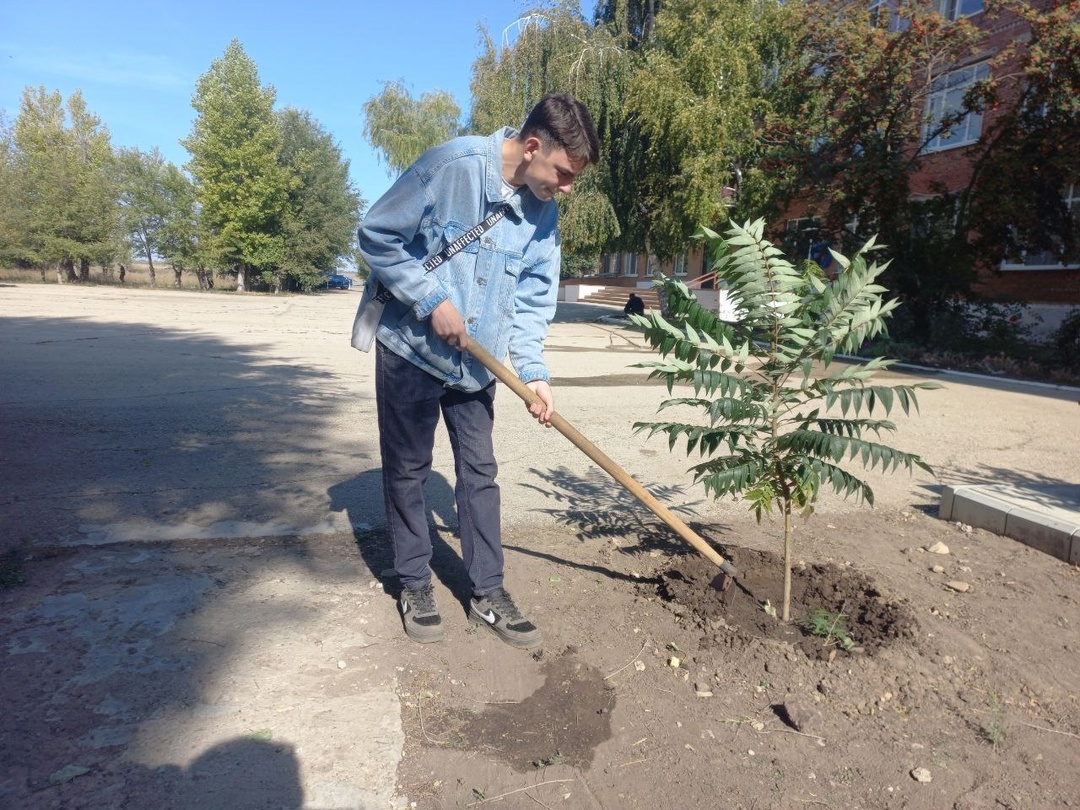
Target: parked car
x: 336, y: 282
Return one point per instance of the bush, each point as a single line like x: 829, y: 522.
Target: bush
x: 1066, y: 340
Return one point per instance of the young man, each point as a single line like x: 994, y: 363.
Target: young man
x: 500, y: 292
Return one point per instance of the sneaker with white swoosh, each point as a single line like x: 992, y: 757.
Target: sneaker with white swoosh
x: 497, y: 612
x: 420, y: 615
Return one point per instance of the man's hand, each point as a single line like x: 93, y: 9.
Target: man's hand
x: 449, y: 325
x: 542, y: 413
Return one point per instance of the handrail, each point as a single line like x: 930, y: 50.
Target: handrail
x: 699, y: 282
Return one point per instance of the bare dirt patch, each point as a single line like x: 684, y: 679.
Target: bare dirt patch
x: 944, y: 699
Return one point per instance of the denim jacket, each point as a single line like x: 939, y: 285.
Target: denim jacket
x: 504, y: 284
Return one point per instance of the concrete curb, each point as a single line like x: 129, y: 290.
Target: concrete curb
x: 1045, y: 519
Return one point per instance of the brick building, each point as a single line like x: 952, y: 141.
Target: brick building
x: 1029, y: 276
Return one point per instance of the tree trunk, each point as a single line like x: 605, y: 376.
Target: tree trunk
x: 84, y: 269
x: 178, y: 271
x: 649, y: 21
x: 150, y: 267
x: 68, y: 266
x: 665, y: 308
x: 788, y: 543
x: 241, y: 278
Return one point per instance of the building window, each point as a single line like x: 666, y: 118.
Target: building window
x: 955, y: 9
x: 946, y: 99
x: 800, y: 235
x: 680, y: 265
x: 883, y: 14
x: 1049, y: 259
x: 629, y: 264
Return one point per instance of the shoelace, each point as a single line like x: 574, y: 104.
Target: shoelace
x: 423, y: 599
x: 504, y: 604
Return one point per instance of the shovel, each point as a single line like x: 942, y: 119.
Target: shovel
x: 728, y: 571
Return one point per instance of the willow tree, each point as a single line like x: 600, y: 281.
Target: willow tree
x: 698, y: 100
x: 401, y: 128
x: 555, y: 49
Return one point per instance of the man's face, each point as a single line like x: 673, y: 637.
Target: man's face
x: 549, y: 171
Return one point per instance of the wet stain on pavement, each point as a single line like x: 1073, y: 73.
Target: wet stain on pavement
x: 561, y: 723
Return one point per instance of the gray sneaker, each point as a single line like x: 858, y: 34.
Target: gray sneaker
x: 497, y: 612
x: 420, y: 615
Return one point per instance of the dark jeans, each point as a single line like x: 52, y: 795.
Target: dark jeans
x: 409, y: 402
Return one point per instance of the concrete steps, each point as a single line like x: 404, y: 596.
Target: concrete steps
x: 616, y: 297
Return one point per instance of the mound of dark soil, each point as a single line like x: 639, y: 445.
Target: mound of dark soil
x: 856, y: 608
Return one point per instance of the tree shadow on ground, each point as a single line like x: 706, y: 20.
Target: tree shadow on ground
x: 112, y: 423
x: 375, y: 546
x: 1052, y: 493
x: 598, y: 508
x: 952, y: 377
x: 106, y: 423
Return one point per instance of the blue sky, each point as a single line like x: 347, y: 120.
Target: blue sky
x: 137, y: 63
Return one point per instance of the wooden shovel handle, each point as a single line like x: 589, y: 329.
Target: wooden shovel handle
x: 508, y: 378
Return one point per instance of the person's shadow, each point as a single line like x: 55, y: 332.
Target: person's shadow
x: 373, y: 540
x: 243, y: 773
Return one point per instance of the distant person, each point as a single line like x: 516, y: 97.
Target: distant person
x: 123, y: 272
x: 634, y: 306
x: 499, y: 293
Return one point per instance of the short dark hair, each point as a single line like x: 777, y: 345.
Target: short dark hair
x: 559, y: 119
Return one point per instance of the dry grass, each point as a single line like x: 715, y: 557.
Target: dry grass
x: 137, y: 275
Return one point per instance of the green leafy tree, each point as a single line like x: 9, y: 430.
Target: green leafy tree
x: 241, y: 185
x: 323, y: 209
x: 1030, y: 156
x: 608, y: 77
x: 554, y: 49
x: 12, y: 227
x: 635, y: 17
x: 181, y: 241
x: 65, y: 187
x: 697, y: 102
x: 846, y: 133
x: 144, y: 203
x: 401, y: 128
x: 766, y: 387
